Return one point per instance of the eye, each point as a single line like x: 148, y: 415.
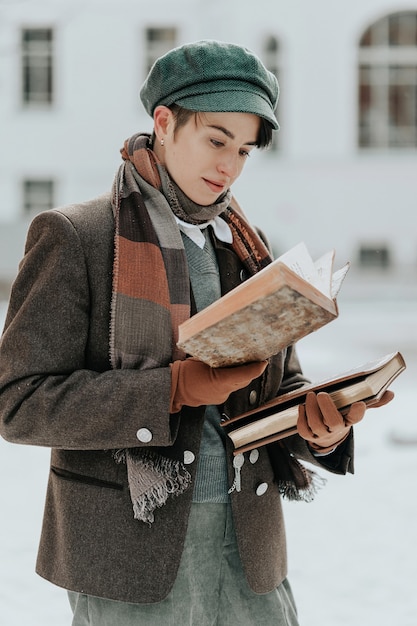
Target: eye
x: 244, y: 153
x: 216, y: 143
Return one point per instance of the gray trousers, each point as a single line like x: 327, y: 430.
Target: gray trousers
x: 210, y: 588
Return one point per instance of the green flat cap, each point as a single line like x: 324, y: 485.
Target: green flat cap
x: 212, y: 76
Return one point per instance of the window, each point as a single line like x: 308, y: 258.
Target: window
x: 374, y: 256
x: 271, y: 60
x: 388, y: 83
x: 38, y: 195
x: 37, y: 66
x: 158, y: 42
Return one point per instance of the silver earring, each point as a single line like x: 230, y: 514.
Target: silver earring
x: 162, y: 142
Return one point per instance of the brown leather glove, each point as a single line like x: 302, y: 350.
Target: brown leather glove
x: 193, y: 383
x: 386, y: 397
x: 323, y: 426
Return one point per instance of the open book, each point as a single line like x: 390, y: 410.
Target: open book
x: 278, y: 418
x: 287, y: 300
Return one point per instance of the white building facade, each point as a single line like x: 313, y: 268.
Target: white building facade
x: 343, y: 170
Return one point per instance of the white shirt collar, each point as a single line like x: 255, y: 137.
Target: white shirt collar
x: 193, y: 231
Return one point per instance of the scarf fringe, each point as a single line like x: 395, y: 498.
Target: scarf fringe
x: 152, y: 479
x: 289, y: 491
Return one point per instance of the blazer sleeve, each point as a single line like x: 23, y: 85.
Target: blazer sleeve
x: 56, y: 387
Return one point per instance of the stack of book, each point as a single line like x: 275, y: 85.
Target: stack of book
x: 284, y: 302
x: 278, y: 418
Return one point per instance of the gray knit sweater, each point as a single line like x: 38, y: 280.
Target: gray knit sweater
x: 211, y: 481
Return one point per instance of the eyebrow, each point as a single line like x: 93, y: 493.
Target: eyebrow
x: 229, y: 134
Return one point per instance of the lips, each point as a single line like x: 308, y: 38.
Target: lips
x: 215, y: 186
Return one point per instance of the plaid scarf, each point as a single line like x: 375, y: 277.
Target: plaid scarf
x: 151, y: 282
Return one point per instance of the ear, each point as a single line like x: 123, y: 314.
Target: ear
x: 162, y: 118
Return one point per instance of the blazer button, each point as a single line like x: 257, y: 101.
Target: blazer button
x: 253, y: 396
x: 144, y: 435
x: 254, y: 455
x: 261, y: 489
x: 189, y: 457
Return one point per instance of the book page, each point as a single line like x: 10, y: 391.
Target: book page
x: 298, y: 259
x: 324, y: 269
x: 338, y: 278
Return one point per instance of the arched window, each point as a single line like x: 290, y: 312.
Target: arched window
x: 388, y: 83
x: 270, y: 57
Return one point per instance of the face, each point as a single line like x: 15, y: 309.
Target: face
x: 206, y: 155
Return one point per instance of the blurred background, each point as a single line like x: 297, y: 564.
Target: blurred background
x: 341, y: 174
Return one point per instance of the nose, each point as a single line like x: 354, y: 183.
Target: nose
x: 229, y: 165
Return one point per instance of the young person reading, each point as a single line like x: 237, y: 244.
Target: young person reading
x: 147, y: 520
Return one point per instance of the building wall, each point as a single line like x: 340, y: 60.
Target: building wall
x: 318, y: 188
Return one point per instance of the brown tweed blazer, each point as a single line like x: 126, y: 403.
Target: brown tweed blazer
x: 57, y: 389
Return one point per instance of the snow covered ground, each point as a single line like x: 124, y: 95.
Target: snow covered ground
x: 352, y: 552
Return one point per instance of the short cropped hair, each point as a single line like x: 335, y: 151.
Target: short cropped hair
x: 182, y: 115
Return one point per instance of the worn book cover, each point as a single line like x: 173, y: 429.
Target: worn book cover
x: 283, y: 303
